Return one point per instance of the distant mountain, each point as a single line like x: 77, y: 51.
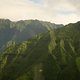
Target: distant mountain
x: 53, y: 55
x: 22, y: 30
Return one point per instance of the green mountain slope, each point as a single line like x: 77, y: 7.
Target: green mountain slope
x: 54, y: 55
x: 22, y: 30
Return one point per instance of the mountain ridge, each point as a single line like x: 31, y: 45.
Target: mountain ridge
x: 22, y: 30
x: 53, y: 55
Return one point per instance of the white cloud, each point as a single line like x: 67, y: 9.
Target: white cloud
x: 57, y: 11
x: 75, y: 3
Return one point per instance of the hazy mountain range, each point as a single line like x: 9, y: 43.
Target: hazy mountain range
x: 37, y: 50
x: 22, y: 30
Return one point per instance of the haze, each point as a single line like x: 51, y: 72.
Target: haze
x: 56, y: 11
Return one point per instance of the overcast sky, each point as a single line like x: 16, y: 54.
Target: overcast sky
x: 56, y: 11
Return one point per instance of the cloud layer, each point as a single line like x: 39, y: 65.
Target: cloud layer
x: 57, y: 11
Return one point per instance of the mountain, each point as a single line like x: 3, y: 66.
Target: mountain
x: 22, y: 30
x: 53, y: 55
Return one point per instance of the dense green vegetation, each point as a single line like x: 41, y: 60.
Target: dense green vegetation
x: 22, y: 30
x: 51, y: 55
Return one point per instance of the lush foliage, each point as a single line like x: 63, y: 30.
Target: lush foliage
x: 53, y: 55
x: 22, y: 30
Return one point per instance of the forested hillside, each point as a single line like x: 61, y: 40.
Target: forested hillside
x: 51, y: 55
x: 22, y: 30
